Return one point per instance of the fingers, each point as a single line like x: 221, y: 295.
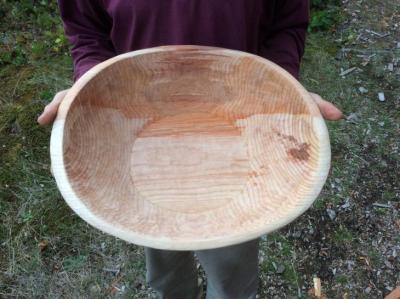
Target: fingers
x: 50, y: 111
x: 328, y: 110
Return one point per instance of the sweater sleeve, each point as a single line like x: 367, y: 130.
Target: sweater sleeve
x: 285, y: 37
x: 87, y: 27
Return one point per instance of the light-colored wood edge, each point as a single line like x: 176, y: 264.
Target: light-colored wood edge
x: 56, y: 154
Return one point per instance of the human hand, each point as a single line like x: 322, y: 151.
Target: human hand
x: 328, y: 110
x: 50, y: 111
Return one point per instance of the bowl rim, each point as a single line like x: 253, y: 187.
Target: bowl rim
x: 169, y: 243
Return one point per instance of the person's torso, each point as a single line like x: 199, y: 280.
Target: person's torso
x: 234, y: 24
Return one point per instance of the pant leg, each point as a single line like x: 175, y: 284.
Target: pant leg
x: 232, y: 272
x: 172, y: 274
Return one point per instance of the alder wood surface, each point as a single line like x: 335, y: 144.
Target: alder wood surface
x: 189, y: 147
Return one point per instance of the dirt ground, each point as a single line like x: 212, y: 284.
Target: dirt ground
x: 350, y: 238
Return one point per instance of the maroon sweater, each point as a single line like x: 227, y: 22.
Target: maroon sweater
x: 101, y: 29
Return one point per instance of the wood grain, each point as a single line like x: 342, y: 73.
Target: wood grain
x: 188, y: 147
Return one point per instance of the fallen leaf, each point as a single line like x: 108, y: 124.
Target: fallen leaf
x: 43, y: 245
x: 398, y: 223
x: 365, y: 259
x: 56, y: 267
x: 113, y: 289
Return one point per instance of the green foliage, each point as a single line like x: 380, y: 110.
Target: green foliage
x: 322, y: 20
x: 31, y: 31
x: 342, y: 279
x: 74, y: 262
x: 343, y: 235
x: 324, y: 14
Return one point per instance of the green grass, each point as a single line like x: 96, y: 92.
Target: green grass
x: 342, y: 279
x: 343, y: 235
x: 34, y: 65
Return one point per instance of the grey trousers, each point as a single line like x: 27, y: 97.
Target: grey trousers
x: 232, y: 272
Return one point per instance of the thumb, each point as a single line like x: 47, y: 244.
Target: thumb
x: 327, y: 109
x: 50, y: 111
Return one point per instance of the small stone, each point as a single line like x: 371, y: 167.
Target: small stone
x: 381, y: 123
x: 331, y: 213
x: 367, y: 290
x: 362, y: 90
x: 353, y: 117
x: 388, y: 264
x: 94, y: 288
x: 390, y: 67
x: 381, y: 97
x: 345, y: 205
x: 350, y: 265
x: 296, y: 234
x: 280, y: 269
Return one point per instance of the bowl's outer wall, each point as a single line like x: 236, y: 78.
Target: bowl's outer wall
x: 102, y: 145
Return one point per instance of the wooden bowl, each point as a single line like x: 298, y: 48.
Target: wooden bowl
x: 189, y: 148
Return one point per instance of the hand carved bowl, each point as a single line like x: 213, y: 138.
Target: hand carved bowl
x: 189, y: 148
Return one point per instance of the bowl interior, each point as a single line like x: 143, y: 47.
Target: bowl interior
x: 193, y: 147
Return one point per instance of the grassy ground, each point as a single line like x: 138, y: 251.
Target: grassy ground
x: 351, y: 244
